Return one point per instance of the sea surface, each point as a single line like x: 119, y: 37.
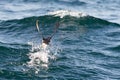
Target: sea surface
x: 86, y: 45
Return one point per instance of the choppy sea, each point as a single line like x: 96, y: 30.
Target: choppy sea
x: 85, y: 47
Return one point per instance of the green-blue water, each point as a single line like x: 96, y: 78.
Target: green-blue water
x: 84, y: 48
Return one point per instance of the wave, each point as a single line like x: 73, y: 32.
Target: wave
x: 67, y: 2
x: 17, y: 30
x: 72, y: 2
x: 63, y: 16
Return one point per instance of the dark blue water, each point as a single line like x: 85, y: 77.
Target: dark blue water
x: 85, y: 47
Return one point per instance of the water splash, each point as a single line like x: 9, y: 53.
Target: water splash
x: 40, y: 56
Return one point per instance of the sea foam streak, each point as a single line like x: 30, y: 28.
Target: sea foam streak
x: 40, y: 56
x: 63, y: 13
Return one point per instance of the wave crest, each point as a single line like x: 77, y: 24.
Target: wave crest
x: 63, y: 13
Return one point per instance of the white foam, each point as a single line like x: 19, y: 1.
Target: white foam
x: 63, y: 13
x: 40, y: 56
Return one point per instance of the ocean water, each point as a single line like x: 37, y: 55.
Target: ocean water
x: 85, y: 47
